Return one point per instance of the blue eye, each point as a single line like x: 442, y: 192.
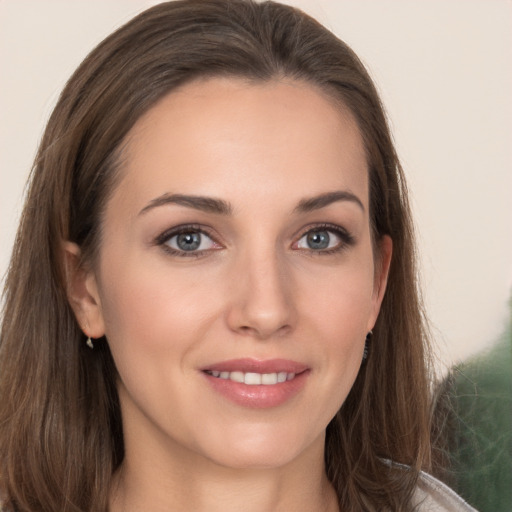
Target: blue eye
x: 189, y: 242
x: 319, y: 240
x: 325, y: 239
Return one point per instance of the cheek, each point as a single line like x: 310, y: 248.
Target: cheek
x: 337, y: 326
x: 156, y: 321
x: 338, y: 314
x: 340, y: 299
x: 148, y: 308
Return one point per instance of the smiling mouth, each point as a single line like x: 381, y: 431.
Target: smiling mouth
x: 257, y: 383
x: 253, y: 378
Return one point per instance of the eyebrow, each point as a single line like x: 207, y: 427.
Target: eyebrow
x: 323, y: 200
x: 205, y: 204
x: 221, y: 207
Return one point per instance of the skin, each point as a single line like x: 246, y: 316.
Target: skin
x: 255, y: 288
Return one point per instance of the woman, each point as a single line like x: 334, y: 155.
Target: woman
x: 212, y: 302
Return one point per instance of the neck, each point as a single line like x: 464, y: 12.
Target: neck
x: 150, y: 481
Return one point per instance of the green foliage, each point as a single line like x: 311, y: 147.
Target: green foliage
x: 480, y: 428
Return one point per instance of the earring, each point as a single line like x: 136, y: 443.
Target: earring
x: 89, y: 343
x: 366, y: 349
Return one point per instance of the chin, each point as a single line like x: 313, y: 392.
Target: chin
x: 261, y: 447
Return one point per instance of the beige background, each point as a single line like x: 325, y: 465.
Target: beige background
x: 444, y: 69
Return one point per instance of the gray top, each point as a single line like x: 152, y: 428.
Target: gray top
x: 433, y: 496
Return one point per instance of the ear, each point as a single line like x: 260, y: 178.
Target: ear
x: 382, y: 263
x: 82, y: 291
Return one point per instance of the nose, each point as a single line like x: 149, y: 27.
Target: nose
x: 262, y: 298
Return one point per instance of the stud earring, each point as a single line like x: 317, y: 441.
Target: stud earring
x: 366, y: 349
x: 89, y: 343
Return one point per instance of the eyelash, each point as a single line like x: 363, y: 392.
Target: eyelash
x: 163, y: 239
x: 347, y: 240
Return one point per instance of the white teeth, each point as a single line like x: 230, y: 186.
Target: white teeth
x: 269, y: 378
x: 237, y: 376
x: 253, y: 378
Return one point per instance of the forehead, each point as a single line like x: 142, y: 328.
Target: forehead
x: 230, y: 137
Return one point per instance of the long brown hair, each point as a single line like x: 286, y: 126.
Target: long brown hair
x: 60, y: 427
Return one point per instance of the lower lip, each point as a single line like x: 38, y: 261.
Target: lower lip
x: 258, y: 396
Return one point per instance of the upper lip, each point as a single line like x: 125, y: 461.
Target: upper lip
x: 248, y: 365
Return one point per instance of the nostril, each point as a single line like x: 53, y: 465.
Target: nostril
x: 266, y: 332
x: 261, y: 307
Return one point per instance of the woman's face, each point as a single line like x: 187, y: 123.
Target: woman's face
x: 237, y: 248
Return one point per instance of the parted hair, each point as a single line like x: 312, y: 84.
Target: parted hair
x: 61, y: 436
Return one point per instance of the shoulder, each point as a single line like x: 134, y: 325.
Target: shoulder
x: 431, y: 495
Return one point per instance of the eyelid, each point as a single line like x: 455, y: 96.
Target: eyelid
x: 162, y: 239
x: 347, y: 239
